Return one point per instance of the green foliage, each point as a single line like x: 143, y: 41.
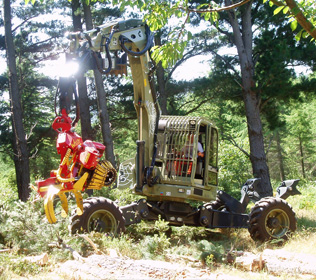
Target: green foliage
x: 125, y: 141
x: 306, y: 201
x: 155, y: 245
x: 234, y: 170
x: 145, y: 228
x: 24, y: 226
x: 305, y: 8
x: 18, y: 266
x: 124, y: 245
x: 299, y: 144
x: 211, y: 253
x: 121, y: 196
x: 8, y: 188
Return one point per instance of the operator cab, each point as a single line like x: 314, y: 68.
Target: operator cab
x: 187, y: 152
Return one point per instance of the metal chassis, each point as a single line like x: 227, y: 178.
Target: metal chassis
x: 231, y: 214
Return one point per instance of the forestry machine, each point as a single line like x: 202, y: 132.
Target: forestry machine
x: 176, y: 161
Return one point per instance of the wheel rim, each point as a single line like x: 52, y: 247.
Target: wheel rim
x: 277, y: 223
x: 102, y: 221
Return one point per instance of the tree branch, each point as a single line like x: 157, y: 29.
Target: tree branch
x: 184, y: 58
x: 228, y: 65
x: 198, y: 105
x: 226, y: 8
x: 22, y: 23
x: 27, y: 137
x: 298, y: 15
x: 234, y: 143
x: 301, y: 19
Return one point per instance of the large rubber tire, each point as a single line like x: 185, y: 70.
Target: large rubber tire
x: 99, y: 214
x: 271, y: 218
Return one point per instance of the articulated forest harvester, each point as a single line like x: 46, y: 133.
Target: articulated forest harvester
x: 176, y: 160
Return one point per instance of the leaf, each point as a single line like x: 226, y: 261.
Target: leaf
x: 294, y: 25
x: 190, y: 36
x: 178, y: 13
x: 278, y: 9
x: 207, y: 16
x: 286, y: 9
x: 299, y: 35
x: 265, y: 1
x: 199, y: 7
x: 305, y: 34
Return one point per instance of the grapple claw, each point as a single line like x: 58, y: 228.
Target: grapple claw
x: 79, y: 202
x: 64, y: 204
x: 80, y: 183
x: 49, y: 203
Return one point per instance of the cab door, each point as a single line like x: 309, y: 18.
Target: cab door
x: 212, y: 156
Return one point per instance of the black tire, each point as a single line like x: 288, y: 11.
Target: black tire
x: 99, y: 214
x: 271, y: 218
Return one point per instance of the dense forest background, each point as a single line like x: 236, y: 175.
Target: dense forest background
x: 283, y: 75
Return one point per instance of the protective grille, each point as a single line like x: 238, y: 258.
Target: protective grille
x: 176, y: 138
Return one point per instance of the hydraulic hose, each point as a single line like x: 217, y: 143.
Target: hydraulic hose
x: 149, y: 43
x: 107, y: 53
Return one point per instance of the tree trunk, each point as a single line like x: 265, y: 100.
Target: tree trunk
x: 102, y: 100
x: 85, y: 118
x: 302, y: 156
x: 21, y: 157
x: 280, y: 156
x: 243, y: 42
x: 160, y: 74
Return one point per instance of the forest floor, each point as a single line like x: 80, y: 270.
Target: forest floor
x: 232, y: 256
x: 269, y: 264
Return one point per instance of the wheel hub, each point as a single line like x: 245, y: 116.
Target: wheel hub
x: 102, y: 221
x: 273, y: 223
x: 277, y: 223
x: 98, y: 226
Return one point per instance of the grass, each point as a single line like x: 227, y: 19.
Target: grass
x: 25, y: 231
x: 304, y: 239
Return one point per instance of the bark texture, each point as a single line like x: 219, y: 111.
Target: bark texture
x: 161, y: 82
x: 85, y: 118
x: 280, y: 156
x: 102, y: 100
x: 243, y: 40
x: 21, y: 154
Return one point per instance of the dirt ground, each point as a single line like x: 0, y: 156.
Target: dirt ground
x: 270, y: 264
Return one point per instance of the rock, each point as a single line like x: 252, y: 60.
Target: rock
x: 250, y: 262
x: 40, y: 260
